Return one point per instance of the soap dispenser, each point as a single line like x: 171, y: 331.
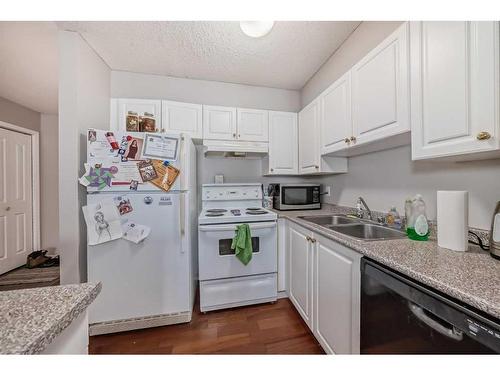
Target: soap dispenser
x: 418, y: 226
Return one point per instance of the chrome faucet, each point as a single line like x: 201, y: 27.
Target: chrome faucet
x: 359, y: 209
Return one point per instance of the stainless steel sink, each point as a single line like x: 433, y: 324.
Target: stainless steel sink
x: 368, y: 232
x: 359, y: 229
x: 330, y: 220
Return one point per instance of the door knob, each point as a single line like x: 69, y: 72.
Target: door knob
x: 353, y: 138
x: 7, y: 208
x: 347, y: 140
x: 482, y: 136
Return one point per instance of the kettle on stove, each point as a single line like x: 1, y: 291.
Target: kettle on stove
x: 495, y: 233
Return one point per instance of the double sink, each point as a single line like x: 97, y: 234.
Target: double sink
x: 358, y: 229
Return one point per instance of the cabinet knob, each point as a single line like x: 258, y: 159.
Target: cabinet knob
x: 308, y: 239
x: 272, y: 169
x: 234, y: 135
x: 353, y: 138
x: 7, y: 208
x: 482, y: 136
x: 347, y: 140
x: 313, y: 240
x: 316, y: 166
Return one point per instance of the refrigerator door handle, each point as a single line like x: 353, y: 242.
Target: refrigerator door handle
x: 182, y: 220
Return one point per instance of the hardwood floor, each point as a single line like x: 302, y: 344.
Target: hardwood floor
x: 259, y: 329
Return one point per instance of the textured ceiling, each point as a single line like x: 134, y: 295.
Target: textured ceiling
x: 218, y: 51
x: 28, y: 64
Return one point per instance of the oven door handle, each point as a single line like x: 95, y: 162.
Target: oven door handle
x: 453, y: 333
x: 232, y: 227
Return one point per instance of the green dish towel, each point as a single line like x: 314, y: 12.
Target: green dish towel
x: 242, y: 243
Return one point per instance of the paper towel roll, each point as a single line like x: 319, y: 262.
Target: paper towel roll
x: 453, y: 219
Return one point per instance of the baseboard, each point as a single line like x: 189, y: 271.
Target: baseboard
x: 113, y: 326
x: 282, y: 294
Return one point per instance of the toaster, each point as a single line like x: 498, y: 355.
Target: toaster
x: 495, y: 233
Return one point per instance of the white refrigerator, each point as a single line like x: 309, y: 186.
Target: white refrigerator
x: 151, y: 283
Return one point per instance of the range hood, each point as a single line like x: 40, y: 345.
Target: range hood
x: 235, y: 149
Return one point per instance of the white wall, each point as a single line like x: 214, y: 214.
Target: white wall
x: 387, y: 178
x: 84, y: 94
x: 19, y: 115
x: 149, y: 86
x: 49, y: 181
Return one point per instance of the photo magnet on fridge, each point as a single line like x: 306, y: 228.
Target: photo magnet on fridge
x: 147, y: 170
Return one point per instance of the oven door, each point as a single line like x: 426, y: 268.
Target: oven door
x: 299, y: 197
x: 217, y: 259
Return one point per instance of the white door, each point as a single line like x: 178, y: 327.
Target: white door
x: 253, y: 125
x: 337, y: 297
x: 16, y: 199
x: 283, y: 143
x: 309, y: 153
x: 300, y: 287
x: 219, y: 123
x: 138, y: 106
x: 335, y: 117
x: 454, y: 88
x: 184, y: 118
x: 380, y: 90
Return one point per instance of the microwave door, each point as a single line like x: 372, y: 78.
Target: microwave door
x: 299, y: 198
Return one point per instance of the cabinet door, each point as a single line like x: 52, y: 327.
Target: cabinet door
x: 300, y: 281
x: 283, y: 143
x: 253, y: 125
x: 336, y: 297
x: 454, y: 82
x: 309, y: 139
x: 183, y: 118
x: 219, y: 122
x: 139, y: 106
x: 335, y: 118
x: 380, y: 90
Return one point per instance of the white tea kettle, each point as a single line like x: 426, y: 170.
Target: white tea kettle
x: 495, y: 233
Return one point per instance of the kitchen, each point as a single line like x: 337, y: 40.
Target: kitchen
x: 316, y: 163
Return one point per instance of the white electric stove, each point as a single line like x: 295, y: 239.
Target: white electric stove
x: 225, y: 281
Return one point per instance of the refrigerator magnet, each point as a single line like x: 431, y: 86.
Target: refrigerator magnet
x: 161, y: 147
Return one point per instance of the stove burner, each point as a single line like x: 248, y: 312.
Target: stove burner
x: 216, y: 210
x: 213, y: 214
x: 256, y: 212
x: 254, y: 209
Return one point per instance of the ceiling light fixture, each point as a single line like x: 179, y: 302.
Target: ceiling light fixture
x: 256, y: 29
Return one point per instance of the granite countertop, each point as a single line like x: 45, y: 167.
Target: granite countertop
x: 472, y: 276
x: 31, y: 318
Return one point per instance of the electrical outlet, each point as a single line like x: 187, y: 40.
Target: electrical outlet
x: 327, y: 190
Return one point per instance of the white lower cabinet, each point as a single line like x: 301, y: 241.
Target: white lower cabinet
x: 300, y: 275
x: 324, y: 285
x: 336, y: 297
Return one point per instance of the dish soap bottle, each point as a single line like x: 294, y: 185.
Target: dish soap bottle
x: 393, y: 219
x: 418, y: 226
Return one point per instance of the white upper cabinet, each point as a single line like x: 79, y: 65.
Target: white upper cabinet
x: 309, y: 152
x: 454, y: 94
x: 283, y: 144
x: 252, y: 125
x: 335, y: 115
x: 183, y: 118
x: 219, y: 122
x: 380, y: 90
x: 120, y: 108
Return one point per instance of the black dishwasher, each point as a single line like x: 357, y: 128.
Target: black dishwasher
x: 401, y: 316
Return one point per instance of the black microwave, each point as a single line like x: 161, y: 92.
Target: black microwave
x: 295, y: 196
